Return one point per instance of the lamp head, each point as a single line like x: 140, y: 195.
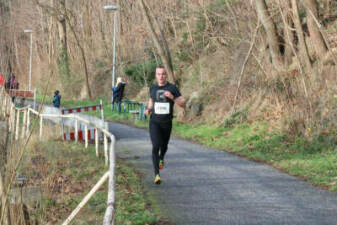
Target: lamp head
x: 111, y: 7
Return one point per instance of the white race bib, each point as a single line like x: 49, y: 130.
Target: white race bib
x: 162, y: 108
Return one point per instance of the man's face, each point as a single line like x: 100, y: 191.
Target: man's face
x: 161, y: 76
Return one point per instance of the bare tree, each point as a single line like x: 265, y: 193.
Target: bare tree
x: 63, y: 60
x: 288, y: 28
x: 271, y: 32
x: 162, y: 53
x: 304, y: 55
x: 311, y: 7
x: 84, y: 59
x: 4, y: 206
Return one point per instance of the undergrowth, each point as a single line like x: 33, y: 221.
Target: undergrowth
x: 65, y: 172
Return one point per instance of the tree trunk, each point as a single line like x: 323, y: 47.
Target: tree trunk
x: 4, y: 205
x: 50, y: 35
x: 162, y: 53
x: 165, y: 44
x: 311, y: 7
x: 4, y: 209
x: 89, y: 23
x: 120, y: 24
x: 304, y: 56
x: 272, y: 37
x: 288, y: 34
x: 84, y: 60
x: 63, y: 33
x: 63, y: 58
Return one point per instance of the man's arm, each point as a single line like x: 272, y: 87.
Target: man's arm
x: 118, y: 88
x: 180, y: 101
x: 149, y: 107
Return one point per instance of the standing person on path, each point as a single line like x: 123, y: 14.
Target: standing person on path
x: 57, y: 99
x: 163, y: 96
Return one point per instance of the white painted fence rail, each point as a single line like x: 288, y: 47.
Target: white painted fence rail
x: 13, y: 114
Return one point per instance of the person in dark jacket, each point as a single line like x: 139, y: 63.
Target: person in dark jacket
x: 12, y: 82
x: 118, y: 93
x: 57, y: 99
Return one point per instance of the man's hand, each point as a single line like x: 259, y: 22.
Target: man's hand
x: 149, y: 107
x: 168, y: 95
x: 148, y: 111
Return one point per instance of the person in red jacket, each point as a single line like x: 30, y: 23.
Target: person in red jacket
x: 2, y: 80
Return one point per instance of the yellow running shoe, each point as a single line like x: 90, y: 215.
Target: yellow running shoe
x: 161, y: 164
x: 157, y: 179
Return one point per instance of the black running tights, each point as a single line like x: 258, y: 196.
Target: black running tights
x: 160, y: 133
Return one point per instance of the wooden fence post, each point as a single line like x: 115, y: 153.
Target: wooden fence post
x: 96, y: 141
x: 10, y: 123
x: 9, y: 105
x: 102, y: 111
x: 4, y: 111
x: 24, y: 123
x: 11, y: 119
x: 86, y: 199
x: 14, y: 118
x: 109, y: 212
x: 17, y: 126
x: 41, y: 126
x: 3, y: 104
x: 62, y: 127
x: 76, y: 130
x: 86, y: 135
x: 28, y: 122
x: 106, y: 149
x: 6, y: 106
x: 34, y: 104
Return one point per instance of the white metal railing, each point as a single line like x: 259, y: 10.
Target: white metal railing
x: 8, y: 110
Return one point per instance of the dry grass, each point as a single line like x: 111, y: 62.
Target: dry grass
x: 14, y: 153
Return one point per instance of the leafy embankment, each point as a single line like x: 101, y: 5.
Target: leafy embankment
x: 66, y: 172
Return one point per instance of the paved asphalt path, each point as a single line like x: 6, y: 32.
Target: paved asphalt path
x: 206, y: 186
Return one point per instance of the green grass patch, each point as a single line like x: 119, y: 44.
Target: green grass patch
x: 314, y: 160
x: 67, y: 103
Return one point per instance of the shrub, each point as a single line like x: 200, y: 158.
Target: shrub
x: 142, y: 73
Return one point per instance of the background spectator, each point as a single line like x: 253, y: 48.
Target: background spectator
x: 57, y: 99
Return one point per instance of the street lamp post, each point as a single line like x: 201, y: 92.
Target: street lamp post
x: 113, y: 8
x: 31, y: 57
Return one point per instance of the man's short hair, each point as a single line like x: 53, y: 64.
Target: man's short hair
x: 160, y: 67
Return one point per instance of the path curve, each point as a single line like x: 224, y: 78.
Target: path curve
x: 206, y: 186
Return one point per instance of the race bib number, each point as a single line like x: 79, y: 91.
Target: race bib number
x: 162, y: 108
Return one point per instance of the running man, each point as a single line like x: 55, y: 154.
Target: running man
x: 163, y: 96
